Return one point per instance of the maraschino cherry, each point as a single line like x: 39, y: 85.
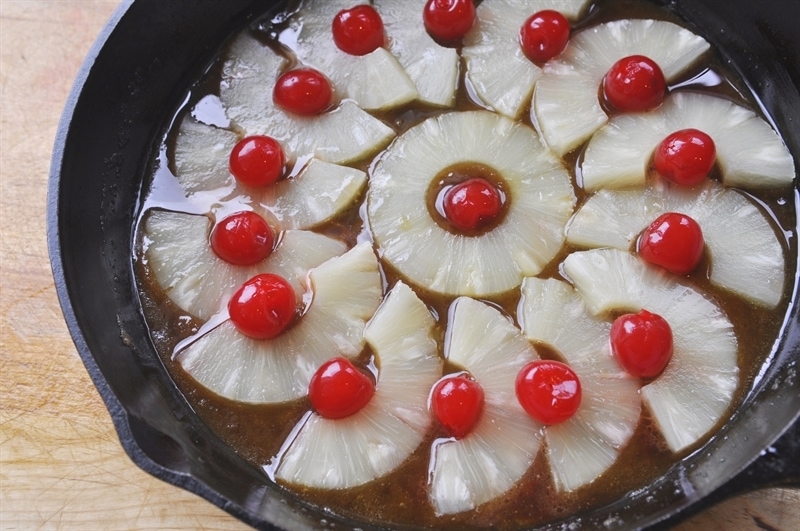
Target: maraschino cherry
x: 634, y: 84
x: 457, y: 403
x: 303, y: 91
x: 673, y: 241
x: 358, y: 30
x: 263, y: 306
x: 338, y: 390
x: 549, y: 391
x: 472, y: 204
x: 257, y: 161
x: 243, y: 238
x: 685, y: 157
x: 448, y: 20
x: 544, y: 35
x: 642, y: 343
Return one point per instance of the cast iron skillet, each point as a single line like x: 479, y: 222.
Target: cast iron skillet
x: 131, y: 84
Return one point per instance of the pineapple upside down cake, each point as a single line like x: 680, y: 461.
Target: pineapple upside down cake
x: 498, y: 262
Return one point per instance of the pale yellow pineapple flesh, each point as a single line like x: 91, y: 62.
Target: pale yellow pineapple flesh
x: 345, y: 292
x: 343, y: 453
x: 409, y: 238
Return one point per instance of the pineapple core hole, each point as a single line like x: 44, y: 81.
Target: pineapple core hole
x: 469, y: 214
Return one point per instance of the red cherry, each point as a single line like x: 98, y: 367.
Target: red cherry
x: 358, y: 30
x: 263, y: 306
x: 457, y: 403
x: 257, y: 161
x: 634, y: 83
x: 685, y: 157
x: 243, y: 238
x: 338, y: 390
x: 448, y: 20
x: 472, y: 204
x: 303, y: 91
x: 544, y: 35
x: 673, y: 241
x: 642, y: 343
x: 549, y: 391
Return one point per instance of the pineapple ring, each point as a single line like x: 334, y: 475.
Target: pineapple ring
x: 583, y: 447
x: 375, y: 81
x: 178, y: 253
x: 318, y: 193
x: 346, y: 292
x: 344, y: 453
x: 495, y: 455
x: 740, y: 238
x: 432, y: 68
x: 342, y: 135
x: 565, y: 100
x: 532, y: 232
x: 750, y: 153
x: 500, y: 73
x: 696, y: 389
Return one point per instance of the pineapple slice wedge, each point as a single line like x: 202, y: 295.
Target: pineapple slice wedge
x: 201, y: 156
x: 747, y: 257
x: 497, y: 68
x: 493, y: 457
x: 345, y: 292
x: 408, y: 237
x: 342, y: 135
x: 750, y: 153
x: 177, y: 252
x: 375, y: 81
x: 696, y: 389
x: 433, y: 68
x: 344, y: 453
x: 565, y: 105
x: 585, y: 446
x: 318, y: 193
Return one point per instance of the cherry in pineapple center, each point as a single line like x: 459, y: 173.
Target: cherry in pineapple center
x: 468, y: 198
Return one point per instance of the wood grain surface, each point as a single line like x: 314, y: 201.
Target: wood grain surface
x: 61, y: 464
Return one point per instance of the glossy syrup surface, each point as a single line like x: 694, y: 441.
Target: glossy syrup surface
x: 256, y: 432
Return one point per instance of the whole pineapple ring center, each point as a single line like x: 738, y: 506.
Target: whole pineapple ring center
x: 458, y: 174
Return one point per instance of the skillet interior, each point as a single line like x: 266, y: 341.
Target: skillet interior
x: 136, y: 76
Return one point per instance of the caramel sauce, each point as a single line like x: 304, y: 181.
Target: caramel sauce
x: 256, y: 432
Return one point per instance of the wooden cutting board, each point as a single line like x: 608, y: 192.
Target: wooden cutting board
x: 61, y: 465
